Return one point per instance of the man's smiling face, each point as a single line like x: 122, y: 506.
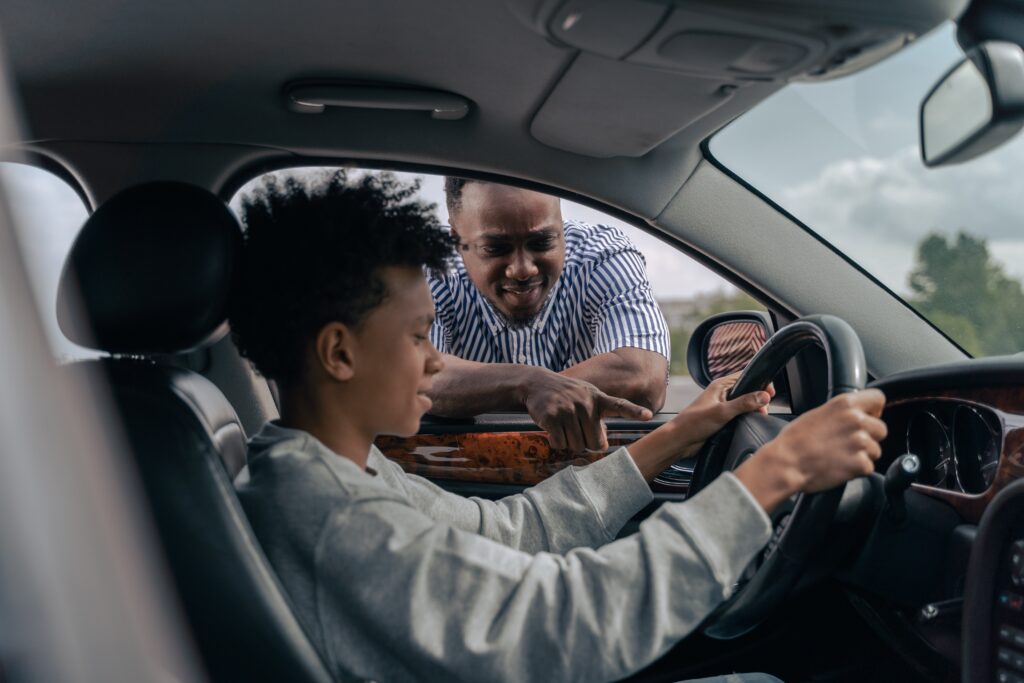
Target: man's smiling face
x: 512, y: 244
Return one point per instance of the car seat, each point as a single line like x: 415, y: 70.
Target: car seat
x: 150, y: 274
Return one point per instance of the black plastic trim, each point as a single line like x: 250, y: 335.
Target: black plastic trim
x: 980, y: 372
x: 1002, y: 514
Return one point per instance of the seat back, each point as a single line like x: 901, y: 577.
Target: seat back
x: 152, y: 270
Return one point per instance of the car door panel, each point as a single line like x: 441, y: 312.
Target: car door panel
x: 495, y: 456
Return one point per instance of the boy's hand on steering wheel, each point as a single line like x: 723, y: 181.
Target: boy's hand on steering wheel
x: 712, y: 410
x: 819, y: 450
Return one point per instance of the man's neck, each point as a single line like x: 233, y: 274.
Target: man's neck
x: 330, y: 424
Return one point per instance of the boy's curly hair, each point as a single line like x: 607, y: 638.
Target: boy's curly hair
x: 313, y: 252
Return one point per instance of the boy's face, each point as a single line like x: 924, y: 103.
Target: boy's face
x: 396, y: 361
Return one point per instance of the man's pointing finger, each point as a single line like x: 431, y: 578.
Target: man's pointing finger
x: 611, y: 406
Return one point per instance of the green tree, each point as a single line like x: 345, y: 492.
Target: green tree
x: 959, y: 287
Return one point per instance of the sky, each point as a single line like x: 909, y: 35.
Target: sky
x: 841, y: 156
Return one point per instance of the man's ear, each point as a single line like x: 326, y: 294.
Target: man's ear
x: 335, y: 351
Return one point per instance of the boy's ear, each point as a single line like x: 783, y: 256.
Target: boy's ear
x: 335, y: 351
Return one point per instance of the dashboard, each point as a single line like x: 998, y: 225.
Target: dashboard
x: 958, y: 441
x: 965, y: 421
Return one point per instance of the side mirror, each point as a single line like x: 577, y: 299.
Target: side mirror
x: 725, y: 343
x: 975, y: 107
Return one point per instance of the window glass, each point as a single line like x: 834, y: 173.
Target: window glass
x: 686, y: 291
x: 47, y: 214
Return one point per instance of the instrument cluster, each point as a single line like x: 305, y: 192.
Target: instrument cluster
x: 958, y: 442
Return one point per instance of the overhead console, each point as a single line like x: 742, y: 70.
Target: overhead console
x: 691, y: 57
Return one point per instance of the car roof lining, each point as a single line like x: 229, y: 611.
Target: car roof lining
x: 192, y: 73
x: 150, y: 91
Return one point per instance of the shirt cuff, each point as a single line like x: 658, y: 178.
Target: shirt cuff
x: 728, y: 525
x: 616, y: 489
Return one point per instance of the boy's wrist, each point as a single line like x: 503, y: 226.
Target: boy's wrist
x: 770, y: 476
x: 694, y: 426
x: 658, y: 449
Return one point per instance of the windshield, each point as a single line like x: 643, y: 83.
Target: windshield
x: 843, y: 158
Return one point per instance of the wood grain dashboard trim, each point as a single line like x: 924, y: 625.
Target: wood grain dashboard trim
x: 518, y: 458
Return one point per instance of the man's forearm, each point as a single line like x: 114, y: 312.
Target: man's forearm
x: 465, y: 388
x: 634, y: 374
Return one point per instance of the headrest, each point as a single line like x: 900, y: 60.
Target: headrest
x: 153, y: 269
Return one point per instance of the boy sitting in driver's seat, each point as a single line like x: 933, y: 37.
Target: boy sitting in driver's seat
x: 395, y: 579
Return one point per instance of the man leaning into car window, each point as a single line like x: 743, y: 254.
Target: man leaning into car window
x: 552, y: 317
x: 395, y: 579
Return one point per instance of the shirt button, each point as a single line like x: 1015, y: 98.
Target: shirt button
x: 522, y: 358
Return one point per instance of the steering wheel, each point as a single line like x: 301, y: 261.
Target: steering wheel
x: 800, y: 524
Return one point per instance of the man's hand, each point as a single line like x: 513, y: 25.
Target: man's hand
x: 712, y: 410
x: 822, y: 448
x: 571, y: 410
x: 637, y: 375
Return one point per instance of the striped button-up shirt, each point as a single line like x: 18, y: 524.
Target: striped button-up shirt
x: 601, y: 302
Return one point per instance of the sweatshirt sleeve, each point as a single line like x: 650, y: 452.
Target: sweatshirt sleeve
x: 401, y: 597
x: 579, y: 506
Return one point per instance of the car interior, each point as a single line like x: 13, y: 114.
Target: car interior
x: 157, y: 114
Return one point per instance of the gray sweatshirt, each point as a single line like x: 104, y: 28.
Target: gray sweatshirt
x: 395, y: 579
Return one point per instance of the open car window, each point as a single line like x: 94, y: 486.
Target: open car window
x: 686, y: 291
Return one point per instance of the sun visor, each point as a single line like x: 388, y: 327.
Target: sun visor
x: 607, y: 108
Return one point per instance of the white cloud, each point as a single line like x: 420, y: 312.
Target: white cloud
x: 876, y: 209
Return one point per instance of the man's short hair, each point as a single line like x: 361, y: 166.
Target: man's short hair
x: 453, y: 186
x: 314, y: 247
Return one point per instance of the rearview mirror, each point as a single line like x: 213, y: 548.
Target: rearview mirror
x: 975, y: 107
